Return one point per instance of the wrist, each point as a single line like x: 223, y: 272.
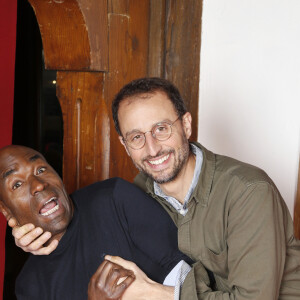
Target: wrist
x: 158, y: 291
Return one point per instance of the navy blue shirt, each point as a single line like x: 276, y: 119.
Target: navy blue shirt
x: 110, y: 217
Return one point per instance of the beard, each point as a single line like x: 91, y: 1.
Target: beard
x: 180, y: 159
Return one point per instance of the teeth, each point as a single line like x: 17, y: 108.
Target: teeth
x: 52, y: 210
x: 53, y: 198
x: 159, y: 161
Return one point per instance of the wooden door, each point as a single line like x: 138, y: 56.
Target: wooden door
x: 97, y: 46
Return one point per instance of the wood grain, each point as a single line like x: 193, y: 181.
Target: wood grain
x: 121, y: 40
x: 74, y: 33
x: 182, y: 51
x: 86, y: 128
x: 156, y: 59
x: 128, y: 48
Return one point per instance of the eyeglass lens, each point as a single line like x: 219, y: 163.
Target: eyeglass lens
x: 161, y: 132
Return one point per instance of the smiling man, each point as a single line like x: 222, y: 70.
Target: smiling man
x: 112, y: 217
x: 230, y: 216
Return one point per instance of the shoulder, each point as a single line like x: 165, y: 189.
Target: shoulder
x: 132, y: 195
x: 241, y: 172
x: 246, y: 185
x: 230, y: 168
x: 115, y: 190
x: 125, y: 187
x: 134, y: 201
x: 98, y: 191
x: 103, y: 187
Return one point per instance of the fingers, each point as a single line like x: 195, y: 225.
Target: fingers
x: 121, y: 287
x: 109, y: 273
x: 118, y: 274
x: 100, y: 268
x: 6, y: 214
x: 46, y: 250
x: 109, y: 281
x: 27, y: 234
x: 140, y: 276
x: 12, y: 222
x: 31, y: 239
x: 19, y: 231
x: 122, y: 262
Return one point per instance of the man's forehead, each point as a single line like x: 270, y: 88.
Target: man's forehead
x: 154, y: 108
x: 18, y: 151
x: 35, y: 157
x: 11, y: 157
x: 144, y: 96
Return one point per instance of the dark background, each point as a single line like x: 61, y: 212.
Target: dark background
x: 37, y: 119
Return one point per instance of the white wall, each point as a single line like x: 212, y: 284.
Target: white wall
x: 249, y: 106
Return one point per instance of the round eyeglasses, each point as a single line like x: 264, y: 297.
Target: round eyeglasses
x: 160, y: 131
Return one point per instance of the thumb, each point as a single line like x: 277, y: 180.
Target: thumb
x: 8, y: 216
x: 122, y: 262
x: 12, y: 222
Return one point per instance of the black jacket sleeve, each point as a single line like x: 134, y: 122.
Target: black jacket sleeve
x: 149, y: 225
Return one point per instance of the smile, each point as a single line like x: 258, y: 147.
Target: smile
x: 159, y: 161
x: 49, y: 207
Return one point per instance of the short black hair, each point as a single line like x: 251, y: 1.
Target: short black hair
x: 148, y: 85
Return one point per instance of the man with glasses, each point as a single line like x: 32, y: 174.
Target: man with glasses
x: 230, y: 216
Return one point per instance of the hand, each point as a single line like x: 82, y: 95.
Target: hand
x: 31, y: 239
x: 109, y: 282
x: 143, y: 288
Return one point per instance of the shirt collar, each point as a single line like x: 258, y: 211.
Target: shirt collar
x: 203, y: 188
x: 182, y: 208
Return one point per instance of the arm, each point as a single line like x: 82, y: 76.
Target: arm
x: 150, y: 229
x: 254, y: 256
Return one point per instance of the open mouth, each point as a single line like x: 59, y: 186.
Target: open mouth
x: 159, y: 161
x: 49, y: 207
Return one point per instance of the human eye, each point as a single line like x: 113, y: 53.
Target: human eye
x: 16, y: 185
x: 136, y: 137
x: 161, y: 128
x: 41, y: 170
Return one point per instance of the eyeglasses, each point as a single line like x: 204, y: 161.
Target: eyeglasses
x: 160, y: 131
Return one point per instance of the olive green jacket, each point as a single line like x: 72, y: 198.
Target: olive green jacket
x: 237, y: 226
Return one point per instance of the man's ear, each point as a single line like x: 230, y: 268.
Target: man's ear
x: 187, y: 124
x: 123, y: 143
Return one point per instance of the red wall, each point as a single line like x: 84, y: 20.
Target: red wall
x: 8, y: 20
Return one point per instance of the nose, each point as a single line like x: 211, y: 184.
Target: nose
x: 152, y: 145
x: 37, y: 185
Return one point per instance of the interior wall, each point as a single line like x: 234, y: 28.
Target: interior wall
x: 249, y: 85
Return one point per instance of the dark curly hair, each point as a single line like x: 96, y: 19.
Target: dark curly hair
x: 148, y: 85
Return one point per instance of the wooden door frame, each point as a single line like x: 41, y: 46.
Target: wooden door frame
x: 97, y: 46
x: 297, y: 208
